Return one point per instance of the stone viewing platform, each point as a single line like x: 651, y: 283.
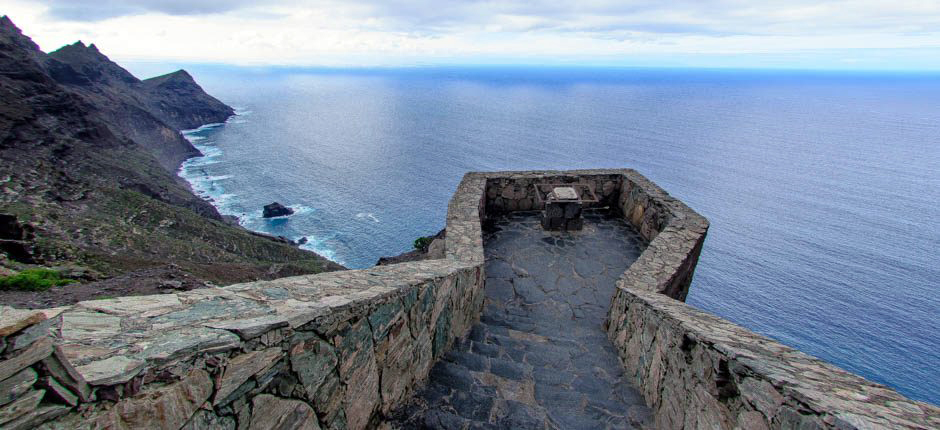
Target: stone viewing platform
x: 514, y: 327
x: 539, y: 357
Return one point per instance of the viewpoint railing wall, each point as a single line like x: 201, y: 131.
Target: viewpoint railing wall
x: 697, y: 370
x: 343, y: 349
x: 334, y: 350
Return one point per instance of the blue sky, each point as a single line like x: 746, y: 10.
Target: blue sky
x: 823, y: 34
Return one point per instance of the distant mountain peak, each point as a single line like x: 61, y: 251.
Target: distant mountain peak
x: 180, y: 75
x: 9, y: 31
x: 90, y: 62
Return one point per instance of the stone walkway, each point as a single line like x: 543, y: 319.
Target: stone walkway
x: 539, y: 358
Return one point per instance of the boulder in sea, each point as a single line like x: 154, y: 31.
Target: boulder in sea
x: 276, y: 209
x: 302, y: 240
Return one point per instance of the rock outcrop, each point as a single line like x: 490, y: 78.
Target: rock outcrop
x: 275, y: 210
x: 433, y: 250
x: 89, y: 163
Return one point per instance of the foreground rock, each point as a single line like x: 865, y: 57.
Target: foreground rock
x: 433, y: 250
x: 275, y: 210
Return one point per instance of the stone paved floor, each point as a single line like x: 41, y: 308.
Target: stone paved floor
x: 539, y: 357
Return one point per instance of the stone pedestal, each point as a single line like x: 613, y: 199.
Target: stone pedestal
x: 562, y: 210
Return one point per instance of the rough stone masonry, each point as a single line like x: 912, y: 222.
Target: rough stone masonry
x: 341, y: 350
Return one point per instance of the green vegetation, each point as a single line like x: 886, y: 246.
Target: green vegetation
x: 423, y: 242
x: 33, y: 280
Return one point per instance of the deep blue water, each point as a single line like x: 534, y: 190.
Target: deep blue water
x: 823, y: 189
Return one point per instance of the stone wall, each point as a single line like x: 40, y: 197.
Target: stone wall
x: 694, y: 369
x: 333, y: 351
x: 699, y: 371
x: 340, y: 350
x: 515, y: 191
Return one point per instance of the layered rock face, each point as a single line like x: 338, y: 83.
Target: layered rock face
x: 88, y: 155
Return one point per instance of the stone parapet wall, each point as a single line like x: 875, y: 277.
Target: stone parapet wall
x: 515, y: 191
x: 698, y: 371
x: 676, y: 234
x: 340, y: 350
x: 335, y: 350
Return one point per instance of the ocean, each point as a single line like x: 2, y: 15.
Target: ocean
x: 822, y: 188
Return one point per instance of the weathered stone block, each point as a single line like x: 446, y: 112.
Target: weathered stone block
x: 20, y: 406
x: 168, y: 407
x: 314, y: 361
x: 13, y: 320
x: 111, y: 371
x: 354, y: 347
x: 40, y: 417
x: 243, y: 367
x: 55, y: 390
x: 762, y: 395
x: 77, y: 325
x: 176, y: 344
x: 250, y: 328
x: 396, y: 355
x: 59, y: 367
x: 30, y: 334
x: 274, y: 413
x: 206, y: 420
x: 14, y: 386
x: 384, y: 317
x: 25, y: 358
x: 362, y: 394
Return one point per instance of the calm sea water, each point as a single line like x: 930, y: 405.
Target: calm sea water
x: 823, y: 189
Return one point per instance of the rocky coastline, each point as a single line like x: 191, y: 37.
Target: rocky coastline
x: 89, y: 159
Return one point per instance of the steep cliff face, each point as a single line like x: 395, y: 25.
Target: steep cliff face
x: 148, y: 112
x: 87, y: 166
x: 180, y: 102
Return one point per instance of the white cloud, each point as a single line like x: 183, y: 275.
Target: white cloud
x: 397, y: 32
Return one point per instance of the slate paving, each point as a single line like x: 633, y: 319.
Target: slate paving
x: 539, y: 358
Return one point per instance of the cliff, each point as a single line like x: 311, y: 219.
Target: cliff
x: 87, y: 160
x: 149, y: 112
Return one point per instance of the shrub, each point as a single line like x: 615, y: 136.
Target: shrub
x: 423, y: 242
x: 33, y: 280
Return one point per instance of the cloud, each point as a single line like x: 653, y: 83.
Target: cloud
x: 390, y: 32
x: 96, y: 10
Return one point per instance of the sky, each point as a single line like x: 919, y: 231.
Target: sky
x: 804, y: 34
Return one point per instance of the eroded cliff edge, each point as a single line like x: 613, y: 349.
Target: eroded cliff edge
x: 89, y: 154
